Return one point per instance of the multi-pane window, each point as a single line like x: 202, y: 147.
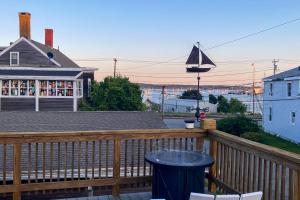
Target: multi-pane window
x: 47, y: 88
x: 14, y: 88
x: 14, y: 58
x: 270, y: 113
x: 293, y: 118
x: 23, y: 88
x: 89, y: 86
x: 79, y: 88
x: 51, y: 88
x: 43, y: 88
x: 289, y: 89
x: 31, y: 90
x: 5, y: 88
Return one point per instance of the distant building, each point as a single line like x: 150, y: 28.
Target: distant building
x: 187, y: 105
x: 281, y: 107
x: 38, y: 77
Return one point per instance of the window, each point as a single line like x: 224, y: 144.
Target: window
x: 14, y: 58
x: 271, y: 89
x: 293, y: 118
x: 289, y: 89
x: 270, y: 114
x: 31, y: 87
x: 43, y: 88
x: 69, y: 88
x: 79, y: 88
x: 51, y: 88
x: 23, y: 88
x: 14, y: 88
x: 89, y: 86
x: 5, y: 87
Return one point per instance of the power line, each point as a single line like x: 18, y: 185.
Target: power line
x: 253, y: 34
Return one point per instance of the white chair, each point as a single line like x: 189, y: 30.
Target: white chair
x: 228, y: 197
x: 199, y: 196
x: 252, y: 196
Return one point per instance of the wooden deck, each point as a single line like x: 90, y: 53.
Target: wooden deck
x: 128, y: 196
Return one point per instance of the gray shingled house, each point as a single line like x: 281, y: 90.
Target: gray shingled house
x: 38, y: 77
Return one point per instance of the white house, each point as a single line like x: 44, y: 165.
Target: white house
x: 281, y: 107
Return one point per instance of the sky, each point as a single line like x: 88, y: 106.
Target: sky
x: 152, y: 39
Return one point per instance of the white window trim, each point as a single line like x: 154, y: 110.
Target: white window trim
x: 18, y: 58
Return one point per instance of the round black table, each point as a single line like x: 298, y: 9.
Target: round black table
x: 178, y: 173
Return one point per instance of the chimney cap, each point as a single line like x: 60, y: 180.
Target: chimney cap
x: 24, y: 13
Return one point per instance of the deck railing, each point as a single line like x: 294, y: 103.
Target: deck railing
x: 243, y: 166
x: 53, y: 161
x: 43, y: 162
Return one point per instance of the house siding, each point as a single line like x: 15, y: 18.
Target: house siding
x: 282, y: 105
x: 17, y: 104
x: 28, y: 56
x: 56, y: 104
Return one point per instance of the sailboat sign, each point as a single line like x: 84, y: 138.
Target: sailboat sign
x: 194, y: 59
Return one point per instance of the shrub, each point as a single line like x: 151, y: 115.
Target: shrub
x: 237, y: 125
x: 223, y: 105
x: 212, y: 99
x: 236, y: 106
x: 254, y: 136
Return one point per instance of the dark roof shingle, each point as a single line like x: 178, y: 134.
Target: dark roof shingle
x: 78, y: 121
x: 57, y: 55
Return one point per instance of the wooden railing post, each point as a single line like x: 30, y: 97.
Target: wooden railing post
x: 210, y: 124
x: 213, y: 169
x: 17, y: 170
x: 116, y: 167
x: 296, y: 185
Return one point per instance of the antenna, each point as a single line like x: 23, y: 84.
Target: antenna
x: 275, y: 61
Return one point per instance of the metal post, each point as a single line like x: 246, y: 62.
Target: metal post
x: 253, y: 90
x: 197, y: 114
x: 162, y: 101
x: 115, y: 66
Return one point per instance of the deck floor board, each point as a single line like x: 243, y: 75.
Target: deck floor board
x: 128, y: 196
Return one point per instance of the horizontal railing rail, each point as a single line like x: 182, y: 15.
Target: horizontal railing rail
x: 62, y: 160
x: 246, y: 166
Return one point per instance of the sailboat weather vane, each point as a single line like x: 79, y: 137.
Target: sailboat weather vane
x: 194, y: 59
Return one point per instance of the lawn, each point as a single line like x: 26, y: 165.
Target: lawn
x: 278, y: 142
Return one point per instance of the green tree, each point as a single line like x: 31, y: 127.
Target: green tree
x: 236, y: 106
x: 223, y: 105
x: 212, y: 99
x: 190, y: 94
x: 114, y: 94
x: 237, y: 125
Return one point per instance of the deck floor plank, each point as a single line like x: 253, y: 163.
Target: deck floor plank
x: 128, y: 196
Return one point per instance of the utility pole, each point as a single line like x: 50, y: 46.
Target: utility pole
x: 197, y: 114
x: 162, y: 100
x: 115, y: 66
x: 253, y: 90
x: 275, y: 65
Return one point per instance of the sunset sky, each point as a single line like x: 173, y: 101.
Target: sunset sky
x: 152, y: 39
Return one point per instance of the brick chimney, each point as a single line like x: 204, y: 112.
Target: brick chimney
x: 49, y: 37
x: 24, y: 18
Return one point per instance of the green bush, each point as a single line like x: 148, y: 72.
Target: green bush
x: 212, y: 99
x: 236, y: 106
x: 223, y: 105
x: 237, y: 125
x: 254, y: 136
x: 191, y: 94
